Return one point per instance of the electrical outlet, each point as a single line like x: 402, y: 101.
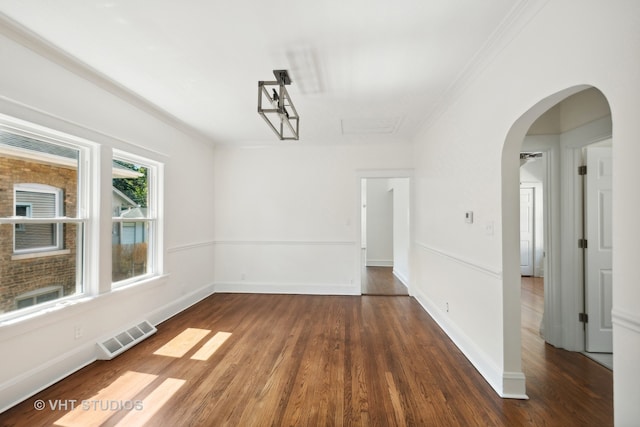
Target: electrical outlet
x: 488, y: 228
x: 447, y: 306
x: 77, y: 332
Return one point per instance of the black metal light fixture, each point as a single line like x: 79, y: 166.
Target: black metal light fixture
x: 280, y: 114
x: 527, y: 157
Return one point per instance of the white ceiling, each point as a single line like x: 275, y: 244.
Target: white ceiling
x: 362, y: 70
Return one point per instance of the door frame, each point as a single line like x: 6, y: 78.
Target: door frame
x: 563, y: 225
x: 361, y: 174
x: 536, y: 191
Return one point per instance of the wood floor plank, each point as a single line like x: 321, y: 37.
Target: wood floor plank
x: 99, y: 408
x: 152, y: 403
x: 381, y: 281
x: 335, y: 360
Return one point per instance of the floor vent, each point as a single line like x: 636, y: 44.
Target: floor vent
x: 113, y: 346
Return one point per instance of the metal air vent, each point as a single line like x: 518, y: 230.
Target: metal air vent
x: 121, y: 342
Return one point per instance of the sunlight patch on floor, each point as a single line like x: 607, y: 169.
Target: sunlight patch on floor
x: 119, y: 396
x: 211, y: 346
x: 97, y: 409
x: 152, y: 403
x: 182, y: 343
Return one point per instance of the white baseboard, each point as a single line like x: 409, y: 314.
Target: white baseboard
x: 513, y: 386
x: 509, y: 385
x: 401, y: 277
x: 379, y: 263
x: 287, y: 288
x: 169, y: 310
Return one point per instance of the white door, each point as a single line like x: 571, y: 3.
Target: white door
x: 598, y: 271
x: 526, y: 231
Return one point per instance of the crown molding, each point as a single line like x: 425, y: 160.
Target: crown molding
x: 32, y: 41
x: 512, y: 24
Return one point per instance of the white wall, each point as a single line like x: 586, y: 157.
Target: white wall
x: 380, y: 222
x: 287, y: 216
x: 41, y: 350
x: 401, y: 227
x: 577, y: 110
x: 464, y: 164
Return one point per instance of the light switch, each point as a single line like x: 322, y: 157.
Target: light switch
x: 468, y: 217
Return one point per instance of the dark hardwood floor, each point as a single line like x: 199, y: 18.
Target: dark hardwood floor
x: 381, y: 281
x: 296, y: 360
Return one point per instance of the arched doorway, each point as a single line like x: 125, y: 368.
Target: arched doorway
x: 563, y: 265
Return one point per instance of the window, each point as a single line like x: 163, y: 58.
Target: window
x: 134, y: 206
x: 50, y: 234
x: 38, y: 201
x: 39, y: 296
x: 42, y: 239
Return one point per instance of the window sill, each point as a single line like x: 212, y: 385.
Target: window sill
x: 135, y: 281
x: 31, y: 255
x: 36, y: 317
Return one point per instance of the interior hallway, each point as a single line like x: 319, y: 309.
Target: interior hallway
x: 381, y: 281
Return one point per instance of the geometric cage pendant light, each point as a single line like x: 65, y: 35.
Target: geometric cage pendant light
x: 276, y: 108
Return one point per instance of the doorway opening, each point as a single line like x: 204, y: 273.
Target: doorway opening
x: 565, y: 219
x: 560, y: 126
x: 533, y: 176
x: 384, y: 235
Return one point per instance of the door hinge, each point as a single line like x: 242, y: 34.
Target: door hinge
x: 582, y: 170
x: 582, y: 243
x: 583, y: 317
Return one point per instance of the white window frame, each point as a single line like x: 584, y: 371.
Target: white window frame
x: 155, y: 172
x: 87, y: 205
x: 33, y: 295
x: 59, y: 229
x: 20, y: 227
